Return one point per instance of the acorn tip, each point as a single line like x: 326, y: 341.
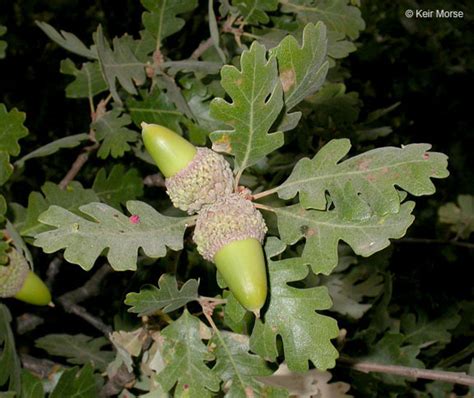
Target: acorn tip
x: 144, y: 125
x: 51, y: 304
x: 257, y: 313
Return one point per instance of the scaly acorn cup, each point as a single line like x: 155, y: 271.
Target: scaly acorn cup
x: 229, y: 233
x: 17, y: 280
x: 194, y: 176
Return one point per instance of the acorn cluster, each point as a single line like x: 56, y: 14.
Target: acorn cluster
x: 229, y: 229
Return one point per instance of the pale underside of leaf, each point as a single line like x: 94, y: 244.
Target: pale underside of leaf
x: 84, y: 240
x: 323, y: 230
x: 365, y: 183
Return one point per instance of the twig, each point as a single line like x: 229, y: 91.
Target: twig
x: 84, y: 156
x: 116, y: 383
x: 263, y: 207
x: 27, y: 322
x: 77, y: 165
x: 91, y: 288
x: 265, y: 193
x: 53, y: 269
x: 213, y: 300
x: 203, y: 47
x: 81, y: 312
x: 441, y: 375
x: 43, y: 368
x: 435, y: 242
x: 154, y: 180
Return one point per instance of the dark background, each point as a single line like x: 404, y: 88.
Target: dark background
x: 426, y: 65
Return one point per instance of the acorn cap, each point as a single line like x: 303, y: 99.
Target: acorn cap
x: 205, y: 179
x: 13, y: 275
x: 170, y: 151
x: 230, y: 218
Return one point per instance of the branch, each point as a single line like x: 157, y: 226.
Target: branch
x: 441, y: 375
x: 154, y: 180
x: 91, y: 288
x: 435, y: 242
x: 77, y: 165
x: 84, y: 156
x: 264, y: 193
x: 43, y: 368
x: 205, y: 45
x: 117, y: 382
x: 53, y: 269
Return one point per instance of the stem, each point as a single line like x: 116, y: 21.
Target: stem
x: 91, y: 288
x: 77, y: 165
x: 154, y: 180
x: 205, y: 45
x: 435, y: 242
x: 207, y: 311
x: 212, y: 299
x: 263, y: 207
x: 53, y: 269
x: 265, y: 193
x: 441, y: 375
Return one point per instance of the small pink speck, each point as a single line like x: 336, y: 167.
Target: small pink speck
x: 186, y: 387
x: 426, y: 156
x: 134, y: 219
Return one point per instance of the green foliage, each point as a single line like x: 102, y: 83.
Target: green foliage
x: 88, y: 80
x: 318, y: 143
x: 119, y: 63
x: 11, y: 130
x: 337, y: 15
x: 253, y: 11
x: 306, y: 335
x: 31, y: 386
x: 238, y: 368
x: 302, y: 69
x: 348, y: 290
x: 10, y: 370
x: 389, y: 350
x: 3, y: 43
x: 165, y: 297
x: 49, y: 149
x: 366, y: 182
x: 119, y: 186
x: 110, y: 130
x: 185, y: 357
x: 460, y: 217
x: 76, y: 382
x: 67, y: 40
x: 250, y: 113
x: 155, y: 108
x: 70, y: 199
x: 78, y: 349
x: 161, y: 18
x: 323, y: 231
x: 85, y: 240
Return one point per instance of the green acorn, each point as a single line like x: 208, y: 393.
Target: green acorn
x: 194, y: 176
x: 229, y: 233
x: 17, y: 280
